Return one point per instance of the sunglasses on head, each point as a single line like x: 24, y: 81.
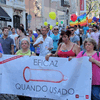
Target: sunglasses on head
x: 55, y: 29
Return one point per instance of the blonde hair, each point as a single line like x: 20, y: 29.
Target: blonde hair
x: 91, y: 40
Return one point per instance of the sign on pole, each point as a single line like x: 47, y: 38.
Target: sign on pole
x: 82, y: 6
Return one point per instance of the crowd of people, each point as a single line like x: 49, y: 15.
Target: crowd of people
x: 71, y: 42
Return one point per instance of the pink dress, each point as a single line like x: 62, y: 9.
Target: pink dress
x: 95, y: 68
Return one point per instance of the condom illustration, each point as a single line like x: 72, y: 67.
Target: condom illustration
x: 43, y: 75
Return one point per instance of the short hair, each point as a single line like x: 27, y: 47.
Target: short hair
x: 91, y: 40
x: 9, y: 26
x: 24, y: 39
x: 75, y: 26
x: 44, y: 27
x: 95, y: 26
x: 56, y: 27
x: 12, y: 28
x: 4, y: 28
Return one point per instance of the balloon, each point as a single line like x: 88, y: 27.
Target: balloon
x: 89, y: 20
x: 61, y: 22
x: 73, y: 17
x: 51, y: 27
x: 45, y: 23
x: 57, y: 23
x: 94, y: 18
x: 52, y: 15
x: 92, y: 23
x: 99, y: 20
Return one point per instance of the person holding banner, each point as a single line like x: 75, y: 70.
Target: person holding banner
x: 25, y: 48
x: 94, y: 57
x: 66, y: 49
x: 25, y: 51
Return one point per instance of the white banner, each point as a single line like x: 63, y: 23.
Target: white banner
x: 57, y: 78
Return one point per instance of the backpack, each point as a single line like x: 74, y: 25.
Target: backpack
x: 85, y: 51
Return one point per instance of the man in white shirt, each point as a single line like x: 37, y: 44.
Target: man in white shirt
x: 95, y: 34
x: 45, y: 43
x: 13, y: 36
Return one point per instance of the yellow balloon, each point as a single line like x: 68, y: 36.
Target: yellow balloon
x: 92, y: 23
x: 45, y: 23
x: 52, y: 15
x: 51, y: 27
x: 57, y: 23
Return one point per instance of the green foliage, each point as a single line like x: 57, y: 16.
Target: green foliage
x: 92, y: 6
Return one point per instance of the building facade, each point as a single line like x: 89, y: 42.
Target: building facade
x: 16, y: 10
x: 39, y: 11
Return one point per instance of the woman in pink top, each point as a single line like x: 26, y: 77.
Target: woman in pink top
x: 94, y: 57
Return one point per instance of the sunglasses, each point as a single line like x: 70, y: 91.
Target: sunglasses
x: 55, y: 29
x: 72, y: 30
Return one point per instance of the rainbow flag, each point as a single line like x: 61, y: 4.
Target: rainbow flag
x: 81, y: 20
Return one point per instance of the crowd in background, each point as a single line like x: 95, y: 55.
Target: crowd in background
x: 69, y: 42
x: 78, y: 35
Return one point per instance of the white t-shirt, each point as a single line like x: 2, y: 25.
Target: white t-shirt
x: 77, y: 32
x: 47, y: 43
x: 95, y: 36
x: 13, y: 37
x: 88, y: 35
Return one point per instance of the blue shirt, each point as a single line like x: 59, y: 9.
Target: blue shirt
x: 85, y: 29
x: 1, y: 51
x: 55, y: 39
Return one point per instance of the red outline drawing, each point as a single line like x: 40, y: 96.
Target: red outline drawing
x: 43, y: 80
x: 10, y: 59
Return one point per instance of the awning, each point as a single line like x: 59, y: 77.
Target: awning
x: 4, y: 16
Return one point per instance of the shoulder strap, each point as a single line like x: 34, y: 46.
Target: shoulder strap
x: 73, y: 46
x: 83, y: 53
x: 31, y: 52
x: 98, y: 53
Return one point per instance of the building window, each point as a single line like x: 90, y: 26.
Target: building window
x: 3, y: 1
x: 16, y: 21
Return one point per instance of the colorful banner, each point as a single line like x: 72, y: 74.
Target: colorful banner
x: 57, y: 78
x: 81, y: 20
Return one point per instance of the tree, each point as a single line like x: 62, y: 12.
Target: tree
x: 92, y: 6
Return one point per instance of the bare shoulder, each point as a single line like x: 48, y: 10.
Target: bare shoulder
x: 61, y: 44
x: 77, y: 46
